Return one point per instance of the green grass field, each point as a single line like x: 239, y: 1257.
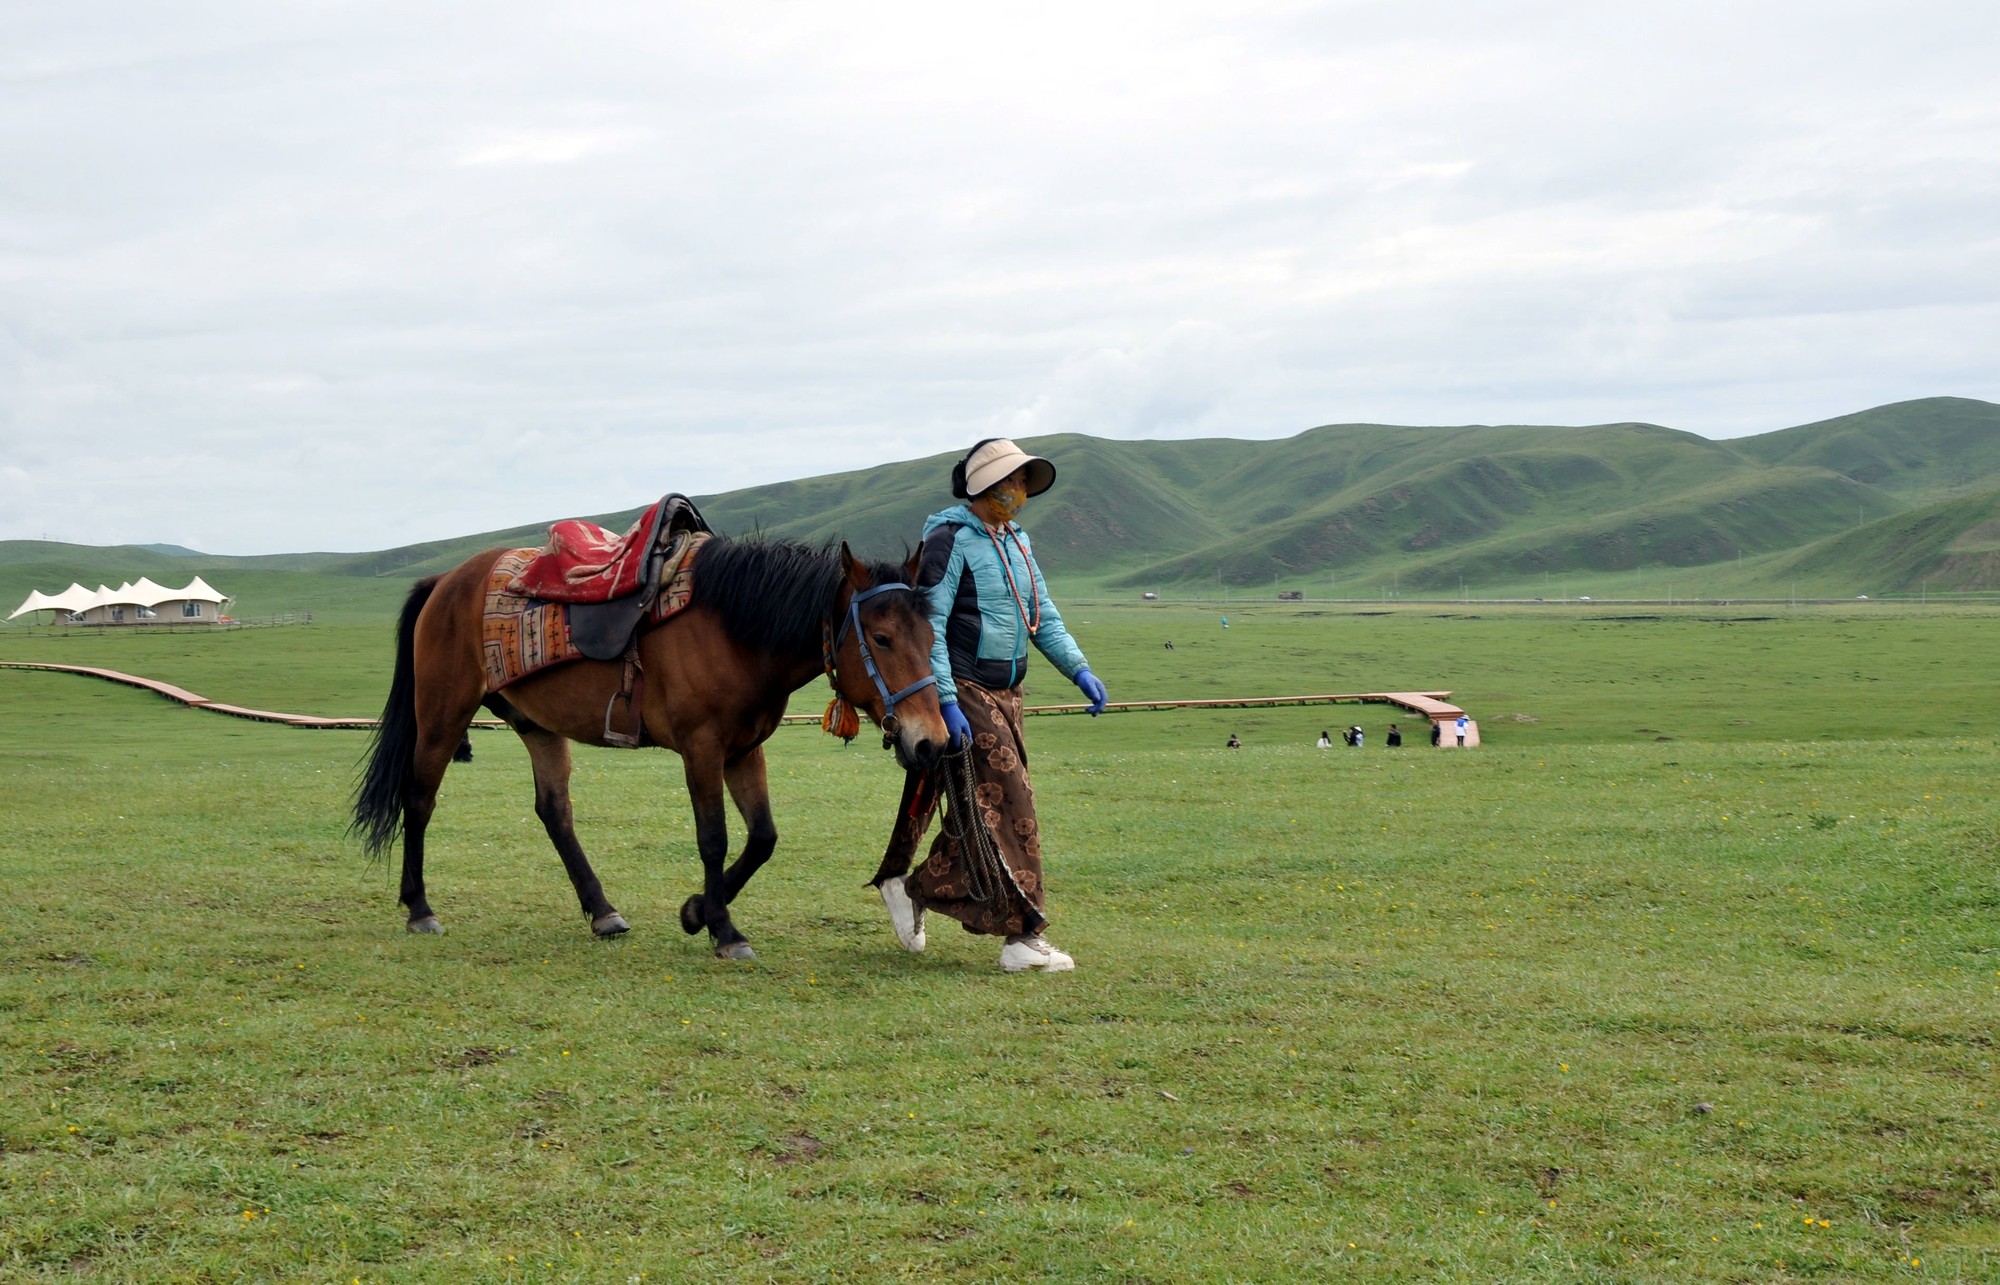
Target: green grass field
x: 1692, y: 972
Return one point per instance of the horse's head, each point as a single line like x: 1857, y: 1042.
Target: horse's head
x: 882, y: 663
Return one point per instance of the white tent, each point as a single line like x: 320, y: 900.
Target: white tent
x: 37, y: 601
x: 198, y: 589
x: 74, y: 598
x: 145, y: 594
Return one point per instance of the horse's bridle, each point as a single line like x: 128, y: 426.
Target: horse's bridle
x: 834, y: 641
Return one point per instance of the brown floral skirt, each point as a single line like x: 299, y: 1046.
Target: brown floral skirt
x: 1005, y: 803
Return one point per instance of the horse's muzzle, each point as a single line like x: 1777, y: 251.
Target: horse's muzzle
x: 914, y: 752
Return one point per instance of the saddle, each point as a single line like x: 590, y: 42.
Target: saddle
x: 588, y: 593
x: 609, y: 582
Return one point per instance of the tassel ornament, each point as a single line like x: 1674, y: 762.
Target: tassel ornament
x: 840, y: 719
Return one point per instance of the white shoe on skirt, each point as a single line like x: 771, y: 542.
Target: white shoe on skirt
x: 1024, y: 952
x: 905, y: 916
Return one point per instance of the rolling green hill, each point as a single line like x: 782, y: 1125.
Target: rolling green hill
x: 1949, y: 547
x: 1893, y: 499
x: 1919, y: 451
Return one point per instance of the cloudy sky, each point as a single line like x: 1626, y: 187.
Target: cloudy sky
x: 327, y: 275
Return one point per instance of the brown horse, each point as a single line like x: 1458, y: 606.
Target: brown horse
x: 716, y: 678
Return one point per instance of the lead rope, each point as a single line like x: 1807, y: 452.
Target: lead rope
x: 986, y: 874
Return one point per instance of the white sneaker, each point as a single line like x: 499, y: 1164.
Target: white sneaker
x: 1023, y: 953
x: 905, y: 916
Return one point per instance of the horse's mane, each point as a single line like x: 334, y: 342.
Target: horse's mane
x: 772, y: 594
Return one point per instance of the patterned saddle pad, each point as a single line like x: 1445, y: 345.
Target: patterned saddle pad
x: 521, y: 635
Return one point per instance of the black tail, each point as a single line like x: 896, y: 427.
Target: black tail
x: 384, y: 787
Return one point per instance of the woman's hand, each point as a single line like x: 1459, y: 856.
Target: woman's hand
x: 1093, y: 691
x: 955, y: 724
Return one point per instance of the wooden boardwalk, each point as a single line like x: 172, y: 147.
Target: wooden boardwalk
x: 1431, y: 705
x: 194, y: 700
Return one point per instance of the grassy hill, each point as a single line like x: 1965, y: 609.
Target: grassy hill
x: 1953, y: 546
x: 1886, y: 500
x: 1504, y: 507
x: 1920, y: 451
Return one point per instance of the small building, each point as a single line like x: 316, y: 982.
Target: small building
x: 144, y: 603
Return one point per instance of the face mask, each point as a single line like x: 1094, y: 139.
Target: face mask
x: 1006, y: 503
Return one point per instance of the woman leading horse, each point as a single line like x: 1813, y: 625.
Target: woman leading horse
x: 766, y: 617
x: 988, y: 601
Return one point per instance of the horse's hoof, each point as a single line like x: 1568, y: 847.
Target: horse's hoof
x: 609, y: 925
x: 735, y: 950
x: 428, y: 924
x: 691, y: 909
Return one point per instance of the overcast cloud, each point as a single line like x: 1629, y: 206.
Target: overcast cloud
x: 345, y: 276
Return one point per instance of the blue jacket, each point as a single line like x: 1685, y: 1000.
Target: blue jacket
x: 981, y: 637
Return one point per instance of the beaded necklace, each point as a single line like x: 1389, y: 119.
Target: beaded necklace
x: 1012, y: 532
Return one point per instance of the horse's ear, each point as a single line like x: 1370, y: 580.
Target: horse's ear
x: 857, y: 572
x: 914, y: 565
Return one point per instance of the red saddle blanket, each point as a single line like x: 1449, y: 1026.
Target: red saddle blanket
x: 520, y: 635
x: 583, y: 562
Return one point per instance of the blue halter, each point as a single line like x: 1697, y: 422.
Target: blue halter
x: 853, y: 622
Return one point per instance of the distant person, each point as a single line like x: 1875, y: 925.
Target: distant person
x: 1234, y: 744
x: 1437, y: 733
x: 1463, y: 725
x: 1395, y: 741
x: 1170, y: 644
x: 1325, y: 741
x: 1225, y: 622
x: 1355, y: 736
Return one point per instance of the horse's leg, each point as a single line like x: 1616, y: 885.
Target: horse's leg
x: 709, y: 908
x: 437, y: 740
x: 751, y: 791
x: 437, y: 686
x: 550, y: 755
x: 913, y: 818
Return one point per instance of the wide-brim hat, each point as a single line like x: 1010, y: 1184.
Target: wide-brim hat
x: 997, y: 458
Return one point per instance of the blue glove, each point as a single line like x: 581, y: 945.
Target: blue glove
x: 1093, y: 690
x: 955, y: 724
